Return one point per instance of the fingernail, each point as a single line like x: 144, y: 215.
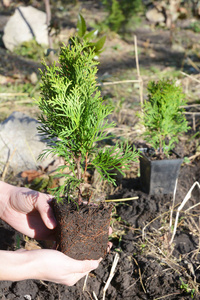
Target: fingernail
x: 51, y: 223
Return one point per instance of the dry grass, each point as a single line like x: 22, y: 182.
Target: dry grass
x: 160, y: 243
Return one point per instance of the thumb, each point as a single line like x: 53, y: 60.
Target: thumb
x: 46, y: 212
x: 89, y: 265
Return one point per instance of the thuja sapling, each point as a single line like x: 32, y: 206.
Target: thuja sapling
x: 74, y: 122
x: 164, y: 121
x: 163, y: 116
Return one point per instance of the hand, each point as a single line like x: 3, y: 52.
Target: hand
x: 50, y: 265
x: 62, y: 269
x: 28, y: 212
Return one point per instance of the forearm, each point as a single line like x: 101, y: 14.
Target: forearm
x: 18, y: 265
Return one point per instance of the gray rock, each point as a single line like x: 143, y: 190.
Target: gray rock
x: 155, y: 16
x: 27, y: 23
x: 21, y: 144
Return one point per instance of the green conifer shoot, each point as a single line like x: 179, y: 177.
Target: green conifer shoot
x: 163, y: 115
x: 74, y: 119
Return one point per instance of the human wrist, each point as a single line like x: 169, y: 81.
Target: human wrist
x: 18, y: 265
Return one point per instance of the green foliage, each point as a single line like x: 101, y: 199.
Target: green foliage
x: 18, y: 242
x: 40, y: 183
x: 30, y: 49
x: 74, y: 117
x: 195, y: 26
x: 91, y: 37
x: 116, y: 16
x: 120, y: 11
x: 185, y: 287
x: 186, y: 160
x: 163, y: 116
x: 113, y: 158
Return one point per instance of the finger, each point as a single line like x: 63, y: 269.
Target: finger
x: 46, y: 213
x: 85, y: 266
x: 89, y: 265
x: 109, y: 247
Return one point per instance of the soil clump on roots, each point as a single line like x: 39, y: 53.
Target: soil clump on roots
x: 82, y: 231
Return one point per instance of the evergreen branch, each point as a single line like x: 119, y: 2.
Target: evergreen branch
x: 163, y: 116
x: 74, y: 118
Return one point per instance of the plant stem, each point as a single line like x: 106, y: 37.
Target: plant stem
x: 86, y: 164
x: 78, y: 166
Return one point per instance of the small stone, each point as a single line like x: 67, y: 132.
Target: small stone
x: 26, y: 24
x: 155, y: 16
x: 21, y: 144
x: 33, y: 78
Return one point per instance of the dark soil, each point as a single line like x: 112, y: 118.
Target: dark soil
x: 148, y: 268
x: 82, y: 232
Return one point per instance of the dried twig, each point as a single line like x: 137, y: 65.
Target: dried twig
x: 13, y: 94
x: 48, y: 22
x: 7, y: 165
x: 117, y: 82
x: 123, y: 199
x: 193, y: 78
x: 166, y: 296
x: 112, y: 272
x: 138, y: 71
x: 95, y: 296
x: 140, y: 275
x: 193, y: 114
x: 173, y: 202
x: 139, y: 80
x: 190, y: 105
x: 15, y: 103
x: 193, y: 64
x: 193, y: 206
x: 144, y: 228
x: 85, y: 282
x: 187, y: 197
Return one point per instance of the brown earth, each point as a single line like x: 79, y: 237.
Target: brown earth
x: 82, y: 232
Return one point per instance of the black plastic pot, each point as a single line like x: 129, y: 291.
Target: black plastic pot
x: 158, y: 176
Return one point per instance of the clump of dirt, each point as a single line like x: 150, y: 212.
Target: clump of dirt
x: 82, y: 231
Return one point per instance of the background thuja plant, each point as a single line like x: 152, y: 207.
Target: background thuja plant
x: 163, y: 116
x: 74, y: 120
x: 120, y: 12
